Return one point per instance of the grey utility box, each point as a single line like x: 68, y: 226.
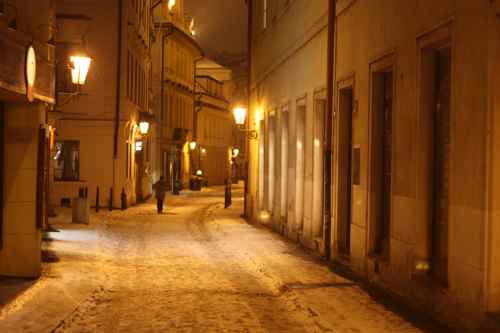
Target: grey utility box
x: 81, y: 210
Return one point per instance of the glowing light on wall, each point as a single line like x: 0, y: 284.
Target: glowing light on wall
x: 192, y: 145
x: 79, y: 69
x: 191, y: 27
x: 236, y: 152
x: 138, y: 146
x: 144, y: 127
x: 171, y: 4
x: 240, y: 115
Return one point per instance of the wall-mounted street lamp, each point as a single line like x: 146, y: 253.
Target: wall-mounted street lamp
x: 240, y: 115
x: 144, y: 127
x: 139, y: 145
x: 171, y: 4
x: 145, y: 120
x: 80, y: 65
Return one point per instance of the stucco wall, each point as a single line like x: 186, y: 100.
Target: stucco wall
x: 288, y: 69
x: 21, y: 252
x: 366, y: 31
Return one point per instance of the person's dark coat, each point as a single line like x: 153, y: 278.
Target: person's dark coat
x: 160, y: 188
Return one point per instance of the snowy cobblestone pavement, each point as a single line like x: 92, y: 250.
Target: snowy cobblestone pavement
x: 198, y: 268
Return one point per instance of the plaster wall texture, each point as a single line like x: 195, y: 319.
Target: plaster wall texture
x: 180, y: 53
x: 20, y: 255
x: 21, y: 252
x: 215, y: 134
x: 366, y: 32
x: 492, y: 241
x: 90, y: 117
x: 288, y: 72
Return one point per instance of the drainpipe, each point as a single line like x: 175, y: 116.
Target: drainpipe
x: 249, y: 87
x: 118, y: 93
x: 329, y: 128
x: 164, y: 37
x: 195, y: 108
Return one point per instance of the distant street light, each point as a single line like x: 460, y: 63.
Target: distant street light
x: 192, y: 145
x: 79, y: 69
x: 144, y: 127
x: 145, y: 120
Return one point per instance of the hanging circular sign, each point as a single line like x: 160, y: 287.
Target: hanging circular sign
x: 30, y: 72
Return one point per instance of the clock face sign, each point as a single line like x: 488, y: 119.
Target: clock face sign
x: 30, y: 72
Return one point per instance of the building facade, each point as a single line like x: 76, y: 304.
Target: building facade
x: 214, y: 123
x: 27, y: 59
x: 99, y: 144
x: 287, y: 106
x: 415, y: 141
x: 414, y: 96
x: 175, y: 53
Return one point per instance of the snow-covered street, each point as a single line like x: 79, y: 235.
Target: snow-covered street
x: 197, y: 268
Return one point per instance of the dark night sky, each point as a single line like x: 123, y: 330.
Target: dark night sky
x: 221, y: 29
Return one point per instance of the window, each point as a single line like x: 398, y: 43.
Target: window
x: 67, y: 161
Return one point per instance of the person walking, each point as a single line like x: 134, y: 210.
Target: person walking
x: 160, y: 188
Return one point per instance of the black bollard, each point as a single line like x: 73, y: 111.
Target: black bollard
x: 110, y: 199
x: 123, y: 198
x: 227, y: 195
x: 97, y: 200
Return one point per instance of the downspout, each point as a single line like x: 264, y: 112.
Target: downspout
x: 195, y: 108
x: 162, y: 87
x: 249, y: 87
x: 118, y: 94
x: 329, y: 128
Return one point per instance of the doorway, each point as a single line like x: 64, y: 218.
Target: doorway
x: 271, y: 153
x: 435, y: 91
x: 440, y: 196
x: 345, y: 151
x: 318, y: 167
x: 261, y: 166
x: 300, y: 135
x: 284, y: 167
x: 381, y: 161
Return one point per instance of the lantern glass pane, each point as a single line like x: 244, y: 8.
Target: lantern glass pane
x: 80, y: 69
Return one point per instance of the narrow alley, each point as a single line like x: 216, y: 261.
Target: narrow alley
x: 197, y: 268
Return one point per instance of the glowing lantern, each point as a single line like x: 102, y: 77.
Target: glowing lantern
x: 171, y: 4
x: 79, y: 69
x: 240, y: 115
x: 144, y: 127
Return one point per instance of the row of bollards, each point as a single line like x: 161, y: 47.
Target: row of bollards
x: 123, y: 199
